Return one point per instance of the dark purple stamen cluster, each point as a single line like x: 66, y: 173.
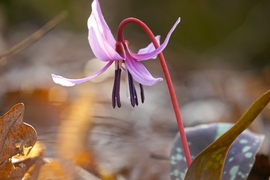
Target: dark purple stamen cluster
x: 132, y: 90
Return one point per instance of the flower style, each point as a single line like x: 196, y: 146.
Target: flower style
x: 107, y: 49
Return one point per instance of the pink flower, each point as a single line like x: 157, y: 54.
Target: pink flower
x: 106, y: 49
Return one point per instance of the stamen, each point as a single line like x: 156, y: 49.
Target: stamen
x: 132, y: 91
x: 116, y: 89
x: 135, y: 95
x: 142, y: 93
x: 113, y: 91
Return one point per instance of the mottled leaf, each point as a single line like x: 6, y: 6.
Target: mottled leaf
x: 209, y: 163
x: 199, y: 137
x: 15, y: 136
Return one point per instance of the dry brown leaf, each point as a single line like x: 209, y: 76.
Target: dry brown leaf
x: 36, y: 151
x: 33, y: 161
x: 53, y: 171
x: 15, y: 135
x: 33, y: 172
x: 87, y: 161
x: 10, y: 172
x: 74, y: 133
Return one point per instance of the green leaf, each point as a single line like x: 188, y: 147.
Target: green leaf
x: 209, y: 163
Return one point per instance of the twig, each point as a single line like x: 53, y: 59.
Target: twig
x: 34, y: 37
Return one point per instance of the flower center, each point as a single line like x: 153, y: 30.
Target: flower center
x: 119, y: 47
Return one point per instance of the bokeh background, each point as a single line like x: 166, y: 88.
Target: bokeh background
x: 219, y: 58
x: 234, y: 31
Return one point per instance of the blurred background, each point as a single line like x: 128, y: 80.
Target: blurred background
x: 233, y: 31
x: 218, y: 55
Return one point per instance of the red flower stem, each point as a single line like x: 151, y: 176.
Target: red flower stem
x: 167, y: 77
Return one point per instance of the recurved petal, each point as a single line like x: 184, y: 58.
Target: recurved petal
x: 71, y: 82
x: 140, y: 73
x: 149, y: 55
x: 96, y: 20
x: 150, y: 48
x: 100, y: 37
x: 101, y: 48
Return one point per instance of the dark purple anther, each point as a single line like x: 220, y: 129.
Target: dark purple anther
x: 142, y: 93
x: 132, y: 91
x: 116, y: 89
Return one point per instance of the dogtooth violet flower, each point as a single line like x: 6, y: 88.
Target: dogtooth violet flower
x: 107, y: 49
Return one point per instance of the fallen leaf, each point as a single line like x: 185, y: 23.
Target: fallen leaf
x: 11, y: 172
x: 53, y: 171
x: 15, y: 136
x: 74, y: 145
x: 33, y: 172
x: 32, y: 160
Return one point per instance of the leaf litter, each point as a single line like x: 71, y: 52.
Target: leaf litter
x: 15, y: 137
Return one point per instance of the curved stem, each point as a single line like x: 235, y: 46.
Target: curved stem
x: 167, y: 77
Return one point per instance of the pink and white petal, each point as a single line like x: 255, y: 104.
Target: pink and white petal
x: 96, y: 19
x: 140, y: 73
x: 71, y: 82
x: 149, y: 55
x: 100, y: 37
x: 150, y: 47
x: 101, y: 48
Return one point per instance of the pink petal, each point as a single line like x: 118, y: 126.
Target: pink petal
x: 71, y: 82
x: 102, y: 50
x: 100, y: 21
x: 100, y: 37
x: 150, y: 48
x: 140, y: 73
x: 149, y: 55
